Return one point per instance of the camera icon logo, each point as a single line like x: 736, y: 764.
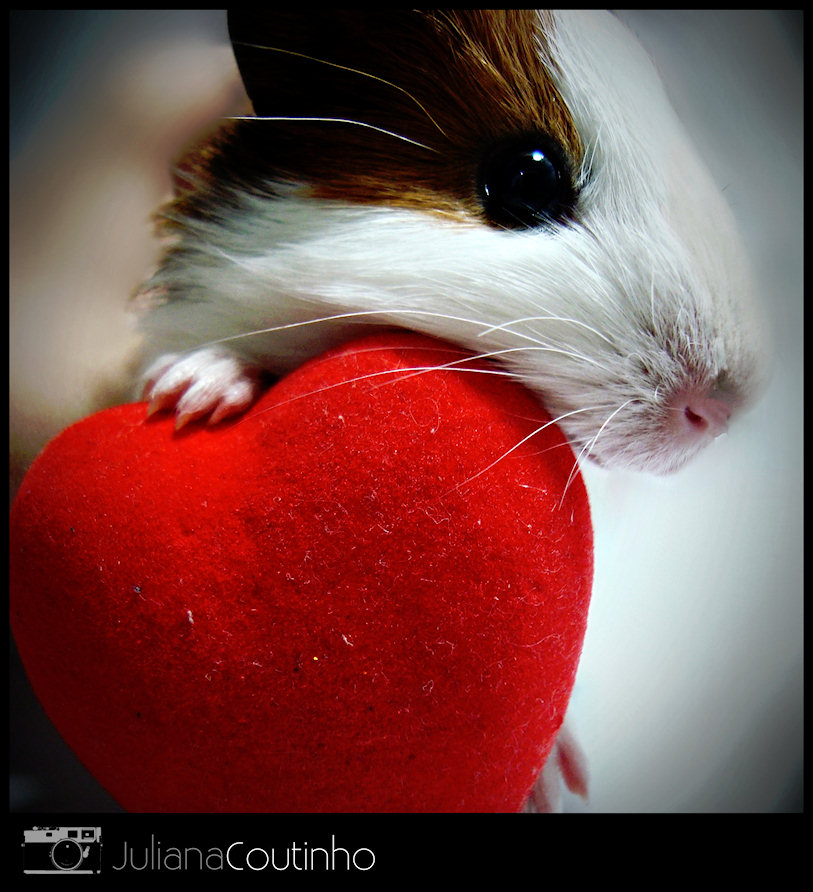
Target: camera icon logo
x: 62, y: 850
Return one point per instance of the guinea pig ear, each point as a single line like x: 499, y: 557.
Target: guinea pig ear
x: 278, y: 53
x: 248, y: 32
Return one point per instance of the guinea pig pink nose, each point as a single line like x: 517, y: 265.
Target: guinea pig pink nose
x: 700, y: 414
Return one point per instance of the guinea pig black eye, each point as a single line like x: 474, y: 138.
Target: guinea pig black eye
x: 525, y: 183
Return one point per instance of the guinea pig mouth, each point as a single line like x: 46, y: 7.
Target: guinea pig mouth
x: 650, y: 439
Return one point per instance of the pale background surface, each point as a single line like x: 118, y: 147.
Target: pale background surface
x: 689, y: 695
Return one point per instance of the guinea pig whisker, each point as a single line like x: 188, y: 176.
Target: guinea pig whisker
x: 288, y: 118
x: 493, y: 354
x: 360, y: 314
x: 505, y: 326
x: 516, y: 446
x: 590, y: 445
x: 397, y: 375
x: 374, y: 77
x: 589, y: 157
x: 592, y: 442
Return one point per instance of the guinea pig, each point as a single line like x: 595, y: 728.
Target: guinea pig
x: 510, y: 180
x: 513, y: 181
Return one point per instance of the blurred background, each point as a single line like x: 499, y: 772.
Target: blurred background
x: 689, y: 694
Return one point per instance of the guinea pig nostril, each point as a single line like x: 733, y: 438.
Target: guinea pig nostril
x: 697, y: 420
x: 698, y: 415
x: 706, y: 414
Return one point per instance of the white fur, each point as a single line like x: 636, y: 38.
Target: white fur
x: 644, y: 298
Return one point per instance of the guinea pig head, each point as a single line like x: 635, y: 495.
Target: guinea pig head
x: 519, y: 183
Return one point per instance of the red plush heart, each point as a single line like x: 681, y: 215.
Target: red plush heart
x: 363, y: 595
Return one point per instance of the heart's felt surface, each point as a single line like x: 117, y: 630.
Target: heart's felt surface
x: 369, y: 593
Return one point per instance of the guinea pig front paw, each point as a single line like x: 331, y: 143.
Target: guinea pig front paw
x: 208, y: 382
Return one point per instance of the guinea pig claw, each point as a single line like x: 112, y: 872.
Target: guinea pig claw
x: 204, y: 383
